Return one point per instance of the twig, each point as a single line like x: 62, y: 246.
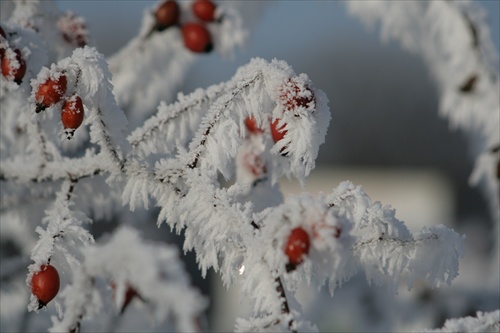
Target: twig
x: 285, y: 308
x: 216, y: 117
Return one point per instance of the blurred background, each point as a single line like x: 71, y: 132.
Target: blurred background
x: 385, y: 132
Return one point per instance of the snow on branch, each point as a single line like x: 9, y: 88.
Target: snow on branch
x: 347, y: 231
x: 384, y: 248
x: 64, y: 236
x: 343, y: 232
x: 169, y: 127
x: 133, y: 268
x: 87, y: 77
x: 482, y: 322
x: 258, y: 90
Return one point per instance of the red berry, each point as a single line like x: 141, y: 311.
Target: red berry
x: 13, y: 70
x: 255, y: 164
x: 277, y: 133
x: 130, y: 294
x: 50, y: 92
x: 297, y: 246
x: 73, y: 29
x: 72, y: 115
x: 251, y: 124
x: 197, y: 38
x: 167, y: 15
x: 293, y: 95
x: 45, y: 284
x: 204, y: 10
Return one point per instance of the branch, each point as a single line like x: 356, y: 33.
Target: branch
x: 167, y: 113
x: 214, y: 115
x: 285, y: 309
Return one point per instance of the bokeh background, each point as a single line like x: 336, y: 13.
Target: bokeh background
x: 385, y: 132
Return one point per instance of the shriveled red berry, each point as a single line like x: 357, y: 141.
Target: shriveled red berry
x: 73, y: 29
x: 72, y: 115
x: 251, y: 125
x: 45, y: 284
x: 277, y: 133
x: 293, y: 94
x: 167, y: 15
x: 204, y: 10
x: 197, y: 38
x: 255, y: 164
x: 50, y: 92
x: 297, y: 246
x: 13, y: 65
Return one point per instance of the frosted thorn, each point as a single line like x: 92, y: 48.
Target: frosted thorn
x: 241, y: 270
x: 69, y: 133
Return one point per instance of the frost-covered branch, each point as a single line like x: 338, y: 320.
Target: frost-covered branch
x: 132, y: 268
x: 62, y: 238
x: 210, y: 161
x: 482, y: 322
x: 454, y: 40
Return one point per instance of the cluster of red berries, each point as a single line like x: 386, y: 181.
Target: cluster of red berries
x: 195, y: 35
x: 50, y: 92
x: 13, y: 63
